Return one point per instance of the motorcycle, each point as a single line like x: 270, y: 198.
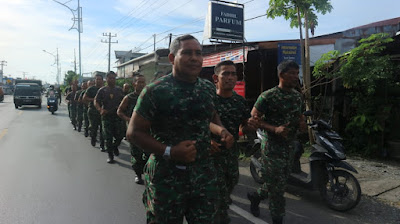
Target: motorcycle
x: 52, y: 104
x: 328, y: 171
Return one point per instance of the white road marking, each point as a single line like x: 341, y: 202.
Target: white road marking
x: 4, y: 132
x: 246, y: 215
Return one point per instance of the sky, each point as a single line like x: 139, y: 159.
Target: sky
x: 31, y: 31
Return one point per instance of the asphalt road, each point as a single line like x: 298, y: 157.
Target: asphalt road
x: 51, y: 174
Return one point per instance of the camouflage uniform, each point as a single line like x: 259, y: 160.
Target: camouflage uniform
x: 138, y: 158
x: 67, y: 91
x: 72, y: 107
x: 179, y: 111
x: 85, y: 112
x: 279, y: 107
x: 94, y: 116
x: 232, y: 111
x: 79, y: 110
x: 113, y: 125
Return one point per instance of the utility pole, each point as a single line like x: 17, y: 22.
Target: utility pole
x: 170, y: 39
x: 109, y: 42
x: 154, y: 49
x: 2, y: 63
x: 58, y: 68
x: 74, y: 61
x: 78, y: 19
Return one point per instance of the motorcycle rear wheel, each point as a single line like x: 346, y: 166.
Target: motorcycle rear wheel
x: 344, y: 193
x: 255, y: 171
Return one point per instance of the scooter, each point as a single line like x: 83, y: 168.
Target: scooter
x: 328, y: 171
x: 52, y: 104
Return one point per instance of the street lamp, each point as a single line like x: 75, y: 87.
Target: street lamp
x: 56, y: 61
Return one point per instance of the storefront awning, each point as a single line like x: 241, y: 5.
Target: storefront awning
x: 235, y: 55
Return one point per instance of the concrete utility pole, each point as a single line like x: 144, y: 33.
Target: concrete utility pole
x: 75, y: 62
x: 170, y: 39
x: 154, y: 48
x: 109, y: 42
x: 56, y: 62
x: 2, y: 63
x: 77, y: 11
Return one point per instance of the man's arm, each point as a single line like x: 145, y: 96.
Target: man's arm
x: 217, y: 128
x: 123, y: 106
x: 256, y: 121
x: 139, y: 134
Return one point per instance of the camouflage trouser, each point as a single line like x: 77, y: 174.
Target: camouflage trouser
x: 228, y: 176
x: 69, y: 110
x: 172, y: 193
x: 79, y: 115
x: 277, y: 160
x: 112, y: 131
x: 138, y: 159
x: 73, y: 114
x: 95, y: 123
x: 85, y: 117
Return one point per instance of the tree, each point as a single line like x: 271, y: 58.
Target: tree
x: 367, y: 74
x: 295, y: 11
x: 70, y: 76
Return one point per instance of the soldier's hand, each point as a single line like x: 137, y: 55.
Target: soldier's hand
x: 227, y: 138
x: 214, y: 147
x: 185, y: 151
x: 282, y: 130
x: 254, y: 123
x: 103, y: 111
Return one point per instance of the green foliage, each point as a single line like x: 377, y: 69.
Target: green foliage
x: 366, y: 74
x: 288, y: 9
x: 70, y: 76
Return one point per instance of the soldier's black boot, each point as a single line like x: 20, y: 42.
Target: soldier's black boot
x: 79, y: 127
x: 254, y: 203
x: 93, y: 141
x: 102, y: 148
x: 116, y: 151
x: 138, y: 179
x: 86, y: 133
x: 110, y: 158
x: 277, y: 220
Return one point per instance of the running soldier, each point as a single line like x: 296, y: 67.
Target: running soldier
x: 234, y: 113
x: 79, y: 108
x: 278, y: 111
x: 85, y: 107
x: 93, y: 113
x: 172, y: 121
x: 70, y: 98
x: 125, y: 110
x: 107, y: 101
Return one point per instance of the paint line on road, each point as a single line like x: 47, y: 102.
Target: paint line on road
x: 20, y: 112
x: 4, y: 132
x: 246, y: 215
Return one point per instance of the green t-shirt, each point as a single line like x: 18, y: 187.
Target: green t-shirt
x: 91, y: 92
x: 132, y: 99
x: 280, y: 107
x: 232, y: 111
x: 179, y: 111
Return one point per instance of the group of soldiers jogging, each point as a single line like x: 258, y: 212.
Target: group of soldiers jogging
x: 183, y: 133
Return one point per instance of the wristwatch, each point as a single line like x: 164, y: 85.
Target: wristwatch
x: 167, y: 153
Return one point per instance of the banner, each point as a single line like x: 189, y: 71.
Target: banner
x: 240, y: 88
x: 289, y: 51
x: 235, y: 55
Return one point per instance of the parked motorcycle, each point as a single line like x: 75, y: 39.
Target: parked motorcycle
x: 52, y: 102
x: 328, y: 171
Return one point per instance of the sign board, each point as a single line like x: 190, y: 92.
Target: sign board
x: 235, y: 55
x: 290, y: 51
x: 224, y: 21
x: 240, y: 88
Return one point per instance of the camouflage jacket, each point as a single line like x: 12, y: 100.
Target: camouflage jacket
x: 280, y: 107
x: 179, y: 111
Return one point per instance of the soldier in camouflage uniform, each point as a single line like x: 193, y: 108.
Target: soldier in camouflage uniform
x: 234, y: 113
x: 79, y: 108
x: 107, y: 101
x: 93, y: 113
x: 125, y: 110
x: 85, y: 107
x: 172, y: 121
x: 70, y: 98
x: 281, y: 111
